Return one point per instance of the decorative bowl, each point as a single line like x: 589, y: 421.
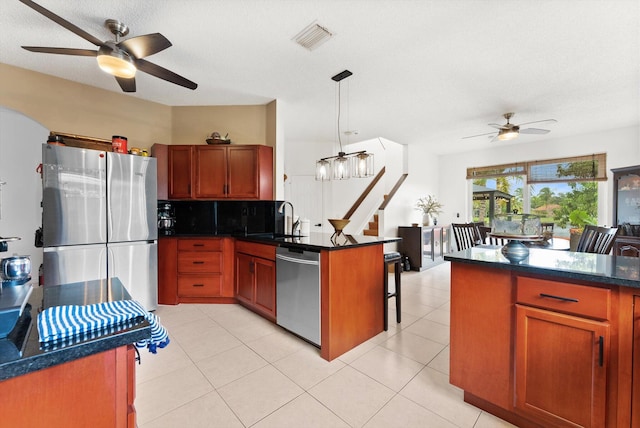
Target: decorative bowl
x: 217, y: 141
x: 339, y: 224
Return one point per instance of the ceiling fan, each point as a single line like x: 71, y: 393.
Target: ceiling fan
x: 118, y: 58
x: 509, y: 130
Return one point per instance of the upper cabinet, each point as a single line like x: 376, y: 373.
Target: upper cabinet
x: 218, y: 172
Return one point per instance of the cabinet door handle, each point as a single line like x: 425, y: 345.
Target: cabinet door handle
x: 198, y: 285
x: 198, y: 262
x: 137, y: 357
x: 601, y: 351
x: 564, y: 299
x: 251, y: 267
x: 198, y: 245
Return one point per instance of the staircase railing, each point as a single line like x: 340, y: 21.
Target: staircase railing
x: 364, y: 194
x: 393, y: 191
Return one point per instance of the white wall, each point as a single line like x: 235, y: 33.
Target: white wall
x: 622, y: 147
x: 21, y: 140
x: 322, y: 200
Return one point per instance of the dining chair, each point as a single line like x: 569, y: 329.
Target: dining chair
x: 466, y: 235
x: 547, y: 227
x: 596, y: 239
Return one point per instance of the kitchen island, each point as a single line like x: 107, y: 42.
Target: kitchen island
x: 80, y: 382
x: 553, y: 341
x: 351, y: 286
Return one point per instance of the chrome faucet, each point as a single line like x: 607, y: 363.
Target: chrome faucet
x: 281, y: 210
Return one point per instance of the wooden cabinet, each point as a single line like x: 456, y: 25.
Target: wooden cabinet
x: 539, y: 351
x: 561, y: 367
x: 195, y: 270
x: 180, y: 172
x: 93, y: 391
x: 561, y: 352
x: 256, y: 277
x: 626, y: 215
x: 217, y: 172
x: 635, y: 393
x: 481, y: 333
x: 425, y: 246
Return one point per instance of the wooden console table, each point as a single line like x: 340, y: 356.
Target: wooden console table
x: 424, y: 245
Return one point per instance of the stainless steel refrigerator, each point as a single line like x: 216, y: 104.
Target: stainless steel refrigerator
x: 100, y: 219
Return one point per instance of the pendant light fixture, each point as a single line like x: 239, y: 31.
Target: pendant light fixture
x: 342, y: 165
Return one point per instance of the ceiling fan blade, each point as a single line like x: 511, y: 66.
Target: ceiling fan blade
x: 127, y: 85
x: 61, y: 51
x: 539, y: 121
x: 163, y: 73
x: 143, y: 46
x: 63, y: 22
x: 534, y: 131
x: 495, y: 125
x: 480, y: 135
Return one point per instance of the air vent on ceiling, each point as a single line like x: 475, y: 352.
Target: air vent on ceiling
x: 312, y: 36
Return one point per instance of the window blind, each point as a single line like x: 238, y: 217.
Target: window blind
x: 575, y: 168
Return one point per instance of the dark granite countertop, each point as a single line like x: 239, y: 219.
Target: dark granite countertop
x: 313, y: 242
x: 21, y: 352
x: 318, y: 241
x: 603, y: 269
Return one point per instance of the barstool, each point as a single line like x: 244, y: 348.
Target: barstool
x: 396, y: 259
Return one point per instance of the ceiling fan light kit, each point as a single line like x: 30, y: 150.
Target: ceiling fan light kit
x: 507, y: 134
x: 116, y: 62
x: 357, y: 164
x: 510, y: 131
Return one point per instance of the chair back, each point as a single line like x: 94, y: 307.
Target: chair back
x: 486, y: 238
x: 466, y: 235
x: 597, y: 239
x: 484, y: 232
x: 547, y: 227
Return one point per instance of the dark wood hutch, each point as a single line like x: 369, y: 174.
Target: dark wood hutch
x: 626, y: 210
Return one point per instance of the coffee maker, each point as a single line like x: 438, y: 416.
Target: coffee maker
x: 166, y: 218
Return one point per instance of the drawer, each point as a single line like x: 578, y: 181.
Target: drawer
x: 591, y: 302
x: 213, y: 244
x: 200, y: 285
x: 195, y: 262
x: 264, y: 251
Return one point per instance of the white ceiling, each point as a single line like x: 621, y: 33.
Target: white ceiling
x: 425, y: 71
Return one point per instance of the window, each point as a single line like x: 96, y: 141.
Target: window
x: 560, y: 191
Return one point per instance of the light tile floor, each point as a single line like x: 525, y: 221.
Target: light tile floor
x: 228, y: 367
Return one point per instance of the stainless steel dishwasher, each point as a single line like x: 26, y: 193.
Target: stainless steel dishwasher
x: 298, y: 292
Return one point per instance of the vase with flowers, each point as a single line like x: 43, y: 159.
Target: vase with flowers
x: 430, y: 207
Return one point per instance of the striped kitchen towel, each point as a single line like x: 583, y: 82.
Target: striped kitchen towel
x: 59, y: 323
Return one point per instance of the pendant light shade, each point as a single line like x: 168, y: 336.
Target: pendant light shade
x: 362, y: 165
x: 323, y: 170
x: 341, y: 167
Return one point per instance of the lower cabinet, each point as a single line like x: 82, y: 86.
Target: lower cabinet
x: 543, y: 352
x: 561, y: 367
x: 93, y: 391
x: 195, y: 270
x: 256, y: 277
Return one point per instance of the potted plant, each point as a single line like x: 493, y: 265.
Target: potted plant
x: 429, y: 206
x: 578, y: 220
